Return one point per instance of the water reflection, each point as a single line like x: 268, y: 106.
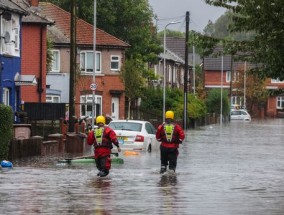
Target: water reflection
x: 103, y: 197
x: 168, y: 180
x: 169, y: 194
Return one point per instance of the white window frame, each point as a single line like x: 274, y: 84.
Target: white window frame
x: 52, y: 98
x: 6, y: 96
x: 87, y: 100
x: 84, y: 61
x: 55, y: 67
x: 276, y: 81
x: 228, y: 76
x: 16, y: 31
x: 6, y: 27
x: 235, y: 74
x: 11, y: 26
x: 280, y: 102
x: 115, y: 60
x: 236, y: 101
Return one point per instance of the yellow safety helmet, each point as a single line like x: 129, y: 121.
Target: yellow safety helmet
x: 100, y: 119
x: 170, y: 114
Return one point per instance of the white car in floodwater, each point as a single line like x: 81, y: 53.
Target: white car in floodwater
x: 240, y: 114
x: 135, y: 134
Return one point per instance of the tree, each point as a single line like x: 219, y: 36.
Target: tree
x: 256, y: 92
x: 131, y: 75
x: 265, y: 18
x: 213, y: 102
x: 171, y: 33
x: 128, y: 20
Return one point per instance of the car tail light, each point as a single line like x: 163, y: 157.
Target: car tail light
x: 139, y: 138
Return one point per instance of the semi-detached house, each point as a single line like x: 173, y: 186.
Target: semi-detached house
x: 110, y: 56
x: 10, y: 54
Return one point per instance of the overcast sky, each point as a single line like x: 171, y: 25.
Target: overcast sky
x: 175, y: 10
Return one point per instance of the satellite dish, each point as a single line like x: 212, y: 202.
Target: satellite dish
x: 7, y: 37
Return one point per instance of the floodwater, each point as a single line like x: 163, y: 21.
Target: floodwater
x: 234, y: 170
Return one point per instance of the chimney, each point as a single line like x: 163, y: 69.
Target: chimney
x: 33, y: 2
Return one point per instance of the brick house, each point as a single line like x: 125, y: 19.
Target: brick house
x: 34, y: 31
x: 212, y: 79
x: 10, y: 53
x: 110, y: 55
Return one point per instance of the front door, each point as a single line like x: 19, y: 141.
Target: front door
x: 115, y: 108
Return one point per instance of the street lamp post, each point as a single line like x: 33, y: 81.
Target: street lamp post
x: 94, y: 64
x: 164, y: 69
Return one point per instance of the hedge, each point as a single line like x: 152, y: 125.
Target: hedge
x: 6, y: 130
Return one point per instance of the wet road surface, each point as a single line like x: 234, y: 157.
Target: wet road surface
x: 233, y: 170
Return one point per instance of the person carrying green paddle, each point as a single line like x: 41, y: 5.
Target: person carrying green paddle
x: 102, y: 137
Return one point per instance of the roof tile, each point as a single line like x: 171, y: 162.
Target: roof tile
x: 84, y: 31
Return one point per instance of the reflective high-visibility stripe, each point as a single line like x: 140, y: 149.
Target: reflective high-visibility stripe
x: 169, y: 129
x: 99, y: 135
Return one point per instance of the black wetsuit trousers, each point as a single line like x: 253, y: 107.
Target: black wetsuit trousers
x: 169, y: 157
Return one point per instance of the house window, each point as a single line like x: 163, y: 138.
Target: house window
x: 228, y: 76
x: 276, y: 81
x: 6, y: 33
x: 6, y: 93
x: 87, y: 62
x: 10, y: 34
x: 235, y: 76
x: 55, y: 61
x: 114, y: 64
x: 236, y: 101
x: 280, y: 102
x: 86, y: 104
x: 16, y: 38
x: 52, y: 99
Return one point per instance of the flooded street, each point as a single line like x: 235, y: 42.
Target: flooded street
x: 233, y: 170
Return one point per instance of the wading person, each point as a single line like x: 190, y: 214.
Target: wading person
x: 102, y: 137
x: 170, y: 135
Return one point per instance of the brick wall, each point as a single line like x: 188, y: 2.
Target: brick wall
x: 32, y: 61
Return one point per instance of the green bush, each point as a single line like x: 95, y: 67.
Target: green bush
x: 153, y: 100
x: 6, y: 130
x: 213, y: 102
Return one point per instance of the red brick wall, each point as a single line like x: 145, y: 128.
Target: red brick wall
x: 214, y: 78
x: 33, y: 2
x: 32, y: 64
x: 105, y: 83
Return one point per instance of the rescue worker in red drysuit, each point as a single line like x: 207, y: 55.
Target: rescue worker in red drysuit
x: 170, y: 135
x: 102, y: 138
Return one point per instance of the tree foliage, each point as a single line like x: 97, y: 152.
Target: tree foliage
x: 131, y: 75
x: 171, y: 33
x: 128, y: 20
x: 213, y: 102
x: 152, y: 99
x: 265, y: 18
x: 253, y: 86
x: 221, y: 29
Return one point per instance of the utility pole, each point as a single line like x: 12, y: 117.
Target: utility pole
x: 72, y: 67
x: 94, y: 114
x: 186, y: 70
x: 231, y: 85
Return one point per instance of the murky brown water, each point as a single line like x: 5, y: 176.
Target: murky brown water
x: 238, y: 169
